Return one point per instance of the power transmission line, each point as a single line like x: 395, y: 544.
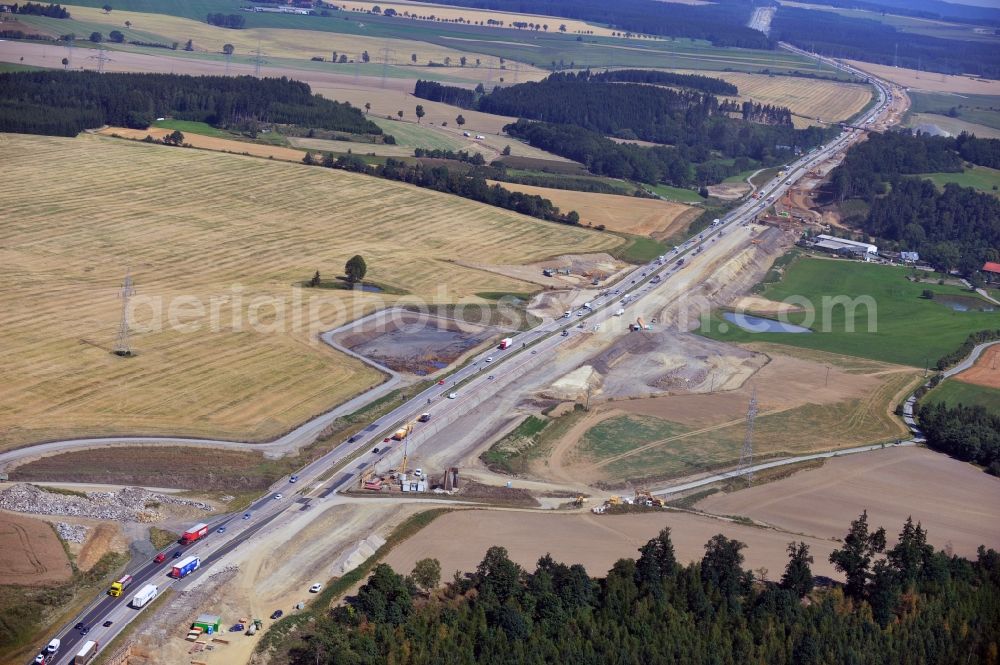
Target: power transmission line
x: 123, y: 346
x: 746, y: 455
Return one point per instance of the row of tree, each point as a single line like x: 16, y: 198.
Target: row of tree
x: 474, y: 158
x: 724, y: 23
x: 709, y: 84
x: 470, y: 185
x: 233, y: 21
x: 970, y: 433
x: 67, y: 102
x: 38, y: 9
x: 904, y: 604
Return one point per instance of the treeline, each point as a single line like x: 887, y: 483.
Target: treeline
x: 715, y: 86
x: 449, y: 94
x: 952, y: 229
x: 38, y: 9
x: 233, y: 21
x: 722, y: 23
x: 969, y: 433
x: 474, y: 158
x: 63, y: 103
x: 841, y: 36
x: 914, y: 605
x: 984, y: 152
x: 962, y: 352
x: 469, y: 185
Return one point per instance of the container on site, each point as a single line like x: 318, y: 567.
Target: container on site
x: 208, y: 623
x: 86, y: 653
x: 186, y: 567
x: 402, y: 433
x: 146, y: 594
x: 118, y: 587
x: 505, y: 343
x: 194, y: 533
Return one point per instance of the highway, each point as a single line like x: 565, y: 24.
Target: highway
x: 470, y: 385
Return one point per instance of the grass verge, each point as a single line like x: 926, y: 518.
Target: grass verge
x: 162, y: 538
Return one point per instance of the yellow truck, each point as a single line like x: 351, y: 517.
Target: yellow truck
x: 117, y: 588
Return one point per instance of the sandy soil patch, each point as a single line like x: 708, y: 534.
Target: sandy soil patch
x: 106, y: 537
x: 986, y: 371
x: 729, y: 191
x: 582, y: 269
x: 212, y: 143
x: 958, y: 504
x: 918, y: 80
x: 595, y: 541
x: 628, y: 214
x: 30, y: 552
x: 759, y: 305
x: 237, y: 231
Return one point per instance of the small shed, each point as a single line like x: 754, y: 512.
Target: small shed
x: 210, y: 623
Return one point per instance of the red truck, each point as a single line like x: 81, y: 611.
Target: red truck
x: 194, y: 533
x: 505, y: 343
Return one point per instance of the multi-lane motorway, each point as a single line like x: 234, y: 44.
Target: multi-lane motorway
x: 469, y: 386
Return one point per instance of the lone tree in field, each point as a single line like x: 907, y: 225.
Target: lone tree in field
x: 420, y: 113
x: 413, y: 58
x: 174, y: 138
x: 96, y: 37
x: 228, y: 49
x: 107, y: 9
x: 128, y: 25
x: 426, y: 574
x: 400, y: 114
x: 368, y: 107
x: 65, y: 63
x: 460, y: 120
x: 355, y: 269
x: 315, y: 279
x: 117, y: 36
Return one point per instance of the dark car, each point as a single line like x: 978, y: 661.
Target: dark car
x: 107, y: 624
x: 177, y: 554
x: 78, y: 626
x: 352, y: 439
x: 277, y: 614
x: 374, y: 450
x: 84, y: 630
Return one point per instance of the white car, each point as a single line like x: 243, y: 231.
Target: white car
x: 452, y: 395
x: 316, y: 588
x: 278, y: 496
x: 489, y: 359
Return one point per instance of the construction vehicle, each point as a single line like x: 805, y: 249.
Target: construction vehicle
x: 403, y: 432
x: 579, y: 500
x: 614, y: 501
x: 118, y: 587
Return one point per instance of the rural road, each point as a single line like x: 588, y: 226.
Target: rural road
x: 469, y: 386
x: 968, y: 362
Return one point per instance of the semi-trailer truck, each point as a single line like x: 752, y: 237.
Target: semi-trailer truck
x: 186, y: 567
x: 402, y: 432
x: 146, y: 594
x: 118, y: 587
x: 505, y: 343
x: 86, y: 653
x: 194, y: 533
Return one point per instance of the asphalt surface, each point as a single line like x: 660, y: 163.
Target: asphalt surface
x: 469, y: 385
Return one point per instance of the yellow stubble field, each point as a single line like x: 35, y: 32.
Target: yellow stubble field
x: 221, y: 238
x: 808, y: 99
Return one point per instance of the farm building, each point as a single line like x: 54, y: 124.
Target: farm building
x: 844, y: 246
x: 991, y: 271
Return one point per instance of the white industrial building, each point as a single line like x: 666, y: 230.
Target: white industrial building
x: 844, y: 246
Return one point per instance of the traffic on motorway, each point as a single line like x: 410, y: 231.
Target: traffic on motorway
x: 109, y: 614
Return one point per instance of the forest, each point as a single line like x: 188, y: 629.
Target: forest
x: 710, y: 84
x: 952, y: 229
x: 64, y: 103
x: 469, y: 184
x: 872, y: 41
x: 38, y: 9
x: 902, y: 603
x: 969, y: 433
x: 723, y: 23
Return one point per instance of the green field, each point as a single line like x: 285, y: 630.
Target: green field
x: 192, y: 127
x: 978, y: 177
x: 410, y: 135
x: 953, y: 392
x: 906, y: 328
x: 978, y: 109
x: 678, y: 194
x: 624, y: 433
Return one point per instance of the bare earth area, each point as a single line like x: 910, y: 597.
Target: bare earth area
x: 595, y: 541
x: 958, y: 504
x: 652, y: 217
x: 30, y: 552
x: 912, y: 78
x: 986, y: 371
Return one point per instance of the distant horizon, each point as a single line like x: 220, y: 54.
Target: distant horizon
x: 992, y: 4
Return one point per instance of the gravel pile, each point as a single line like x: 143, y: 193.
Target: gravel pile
x: 130, y: 504
x: 71, y: 533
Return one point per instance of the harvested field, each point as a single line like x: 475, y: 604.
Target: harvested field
x: 808, y: 99
x: 212, y: 143
x: 594, y: 541
x: 327, y: 145
x: 650, y: 217
x: 413, y: 343
x: 226, y: 347
x: 952, y: 126
x: 958, y: 504
x: 986, y: 371
x: 30, y: 552
x: 912, y: 78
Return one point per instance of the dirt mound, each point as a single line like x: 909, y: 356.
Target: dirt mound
x: 729, y: 191
x: 758, y: 305
x: 105, y: 538
x: 129, y: 504
x: 30, y: 553
x: 573, y: 386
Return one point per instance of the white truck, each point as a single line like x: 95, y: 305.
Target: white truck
x: 86, y: 653
x: 144, y: 596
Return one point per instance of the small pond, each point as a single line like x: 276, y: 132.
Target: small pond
x: 758, y: 325
x: 965, y: 303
